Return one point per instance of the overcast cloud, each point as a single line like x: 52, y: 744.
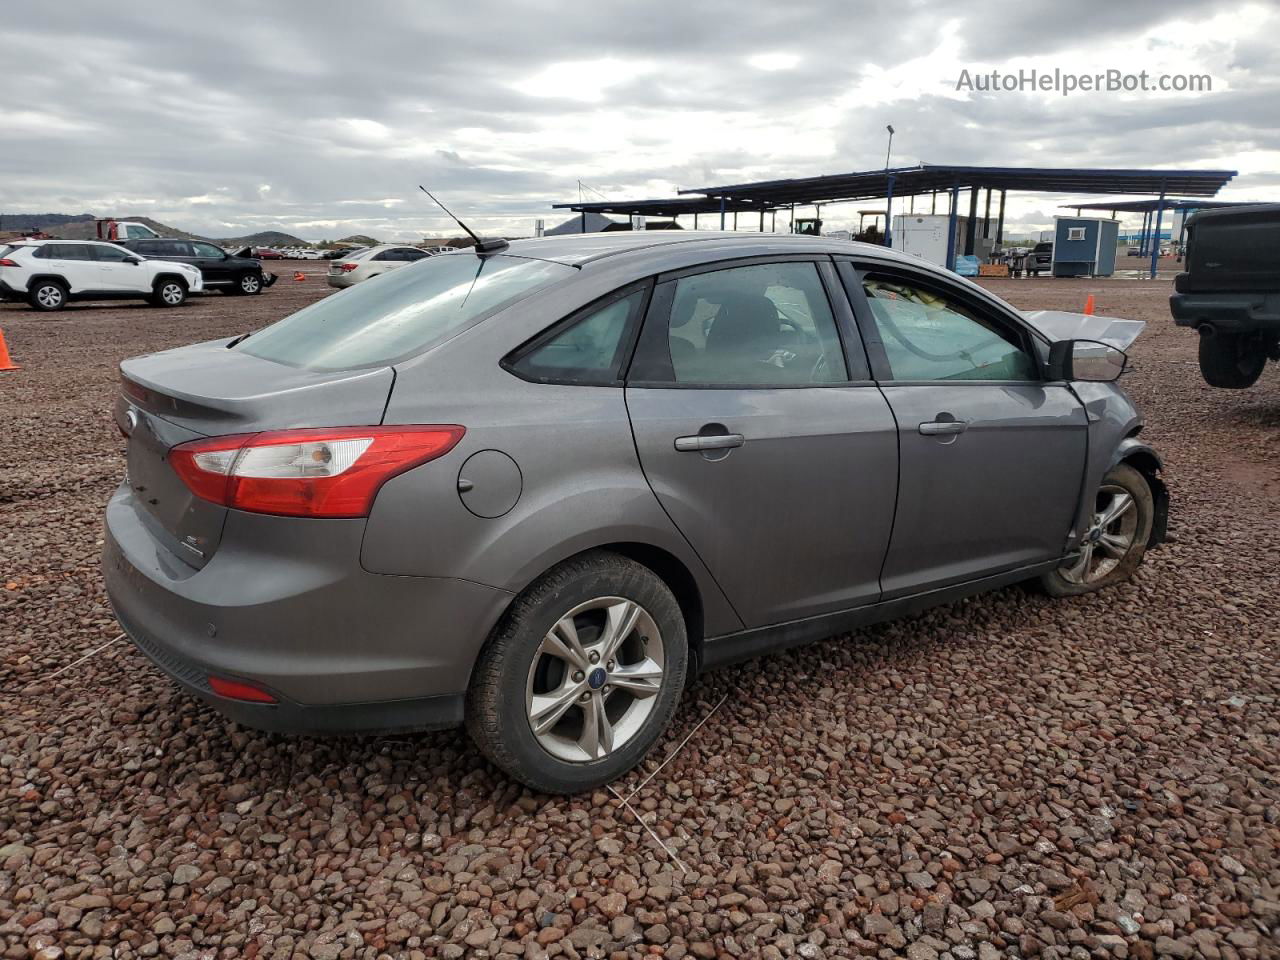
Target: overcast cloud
x: 320, y: 119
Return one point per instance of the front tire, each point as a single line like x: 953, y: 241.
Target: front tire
x: 1232, y: 361
x: 47, y: 296
x: 1113, y: 547
x: 249, y: 284
x: 169, y: 293
x: 581, y: 676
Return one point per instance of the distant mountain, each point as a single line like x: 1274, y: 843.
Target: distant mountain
x: 40, y: 221
x: 265, y: 238
x: 359, y: 240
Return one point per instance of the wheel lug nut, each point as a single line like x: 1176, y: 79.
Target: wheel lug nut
x: 585, y: 696
x: 595, y: 657
x: 578, y: 676
x: 611, y: 665
x: 607, y: 687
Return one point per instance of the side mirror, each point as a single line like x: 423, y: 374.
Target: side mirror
x: 132, y: 260
x: 1087, y: 360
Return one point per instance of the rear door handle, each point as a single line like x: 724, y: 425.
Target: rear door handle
x: 719, y: 441
x: 938, y: 428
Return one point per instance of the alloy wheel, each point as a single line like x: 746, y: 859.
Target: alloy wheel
x: 1109, y: 539
x: 250, y: 284
x: 49, y: 296
x: 171, y: 294
x: 594, y: 679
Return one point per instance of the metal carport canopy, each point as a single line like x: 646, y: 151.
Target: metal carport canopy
x: 673, y: 207
x: 928, y: 177
x: 1146, y: 206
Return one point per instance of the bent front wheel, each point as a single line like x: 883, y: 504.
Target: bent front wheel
x: 1113, y: 546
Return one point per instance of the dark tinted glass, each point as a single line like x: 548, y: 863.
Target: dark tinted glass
x: 106, y: 254
x: 588, y: 351
x: 403, y: 313
x: 764, y: 325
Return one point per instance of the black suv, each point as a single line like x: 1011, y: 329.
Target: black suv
x: 222, y: 271
x: 1230, y: 292
x: 1040, y: 259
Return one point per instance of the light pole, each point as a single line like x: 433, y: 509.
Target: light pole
x: 888, y: 203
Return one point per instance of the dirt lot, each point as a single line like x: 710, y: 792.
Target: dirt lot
x: 1008, y: 776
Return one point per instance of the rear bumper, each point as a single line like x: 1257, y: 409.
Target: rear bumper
x: 1228, y: 312
x: 340, y: 280
x: 341, y: 649
x: 11, y: 293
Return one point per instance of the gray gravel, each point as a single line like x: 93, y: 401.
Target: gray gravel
x: 1008, y: 776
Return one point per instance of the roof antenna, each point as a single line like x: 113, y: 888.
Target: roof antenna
x: 482, y: 246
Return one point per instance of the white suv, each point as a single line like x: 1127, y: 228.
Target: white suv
x: 371, y: 261
x: 50, y: 273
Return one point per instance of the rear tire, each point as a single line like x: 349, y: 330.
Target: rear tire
x: 169, y: 292
x: 1232, y: 361
x: 47, y: 296
x: 1117, y: 538
x: 598, y: 638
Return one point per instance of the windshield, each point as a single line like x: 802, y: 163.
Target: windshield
x: 383, y: 320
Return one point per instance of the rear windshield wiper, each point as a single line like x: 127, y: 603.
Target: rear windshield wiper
x: 240, y: 339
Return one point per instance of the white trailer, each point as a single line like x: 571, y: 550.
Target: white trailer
x: 924, y: 235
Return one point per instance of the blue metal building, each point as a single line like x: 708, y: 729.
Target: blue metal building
x: 1084, y: 246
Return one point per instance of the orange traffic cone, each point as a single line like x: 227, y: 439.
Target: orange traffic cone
x: 299, y: 275
x: 1088, y: 306
x: 6, y: 363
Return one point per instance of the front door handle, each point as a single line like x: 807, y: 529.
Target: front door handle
x: 939, y: 428
x: 716, y: 441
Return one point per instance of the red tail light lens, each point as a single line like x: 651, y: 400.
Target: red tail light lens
x: 239, y: 690
x: 6, y: 262
x: 321, y: 472
x: 347, y: 267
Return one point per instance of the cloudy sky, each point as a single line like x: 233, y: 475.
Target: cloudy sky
x: 320, y: 119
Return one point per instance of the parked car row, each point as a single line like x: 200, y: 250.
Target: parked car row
x: 48, y: 274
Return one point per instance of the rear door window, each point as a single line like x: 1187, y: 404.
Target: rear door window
x: 108, y: 254
x: 767, y: 324
x: 405, y: 312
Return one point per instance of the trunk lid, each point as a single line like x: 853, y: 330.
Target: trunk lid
x: 207, y: 390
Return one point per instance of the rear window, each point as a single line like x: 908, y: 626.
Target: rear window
x: 400, y: 313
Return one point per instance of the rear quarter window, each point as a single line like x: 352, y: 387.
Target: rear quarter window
x: 402, y: 312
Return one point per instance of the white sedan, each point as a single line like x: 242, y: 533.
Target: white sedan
x: 370, y: 262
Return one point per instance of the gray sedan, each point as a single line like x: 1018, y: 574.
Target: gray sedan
x: 534, y: 489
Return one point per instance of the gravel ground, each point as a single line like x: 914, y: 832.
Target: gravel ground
x: 1008, y: 776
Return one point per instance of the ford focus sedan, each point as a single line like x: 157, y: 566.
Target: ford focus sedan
x: 533, y: 490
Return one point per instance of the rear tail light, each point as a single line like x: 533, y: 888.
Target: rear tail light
x: 239, y: 690
x: 347, y: 267
x: 321, y: 472
x: 6, y: 262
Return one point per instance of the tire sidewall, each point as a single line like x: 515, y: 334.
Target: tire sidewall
x: 520, y: 635
x: 159, y: 293
x: 1225, y: 363
x: 1135, y: 483
x: 43, y: 284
